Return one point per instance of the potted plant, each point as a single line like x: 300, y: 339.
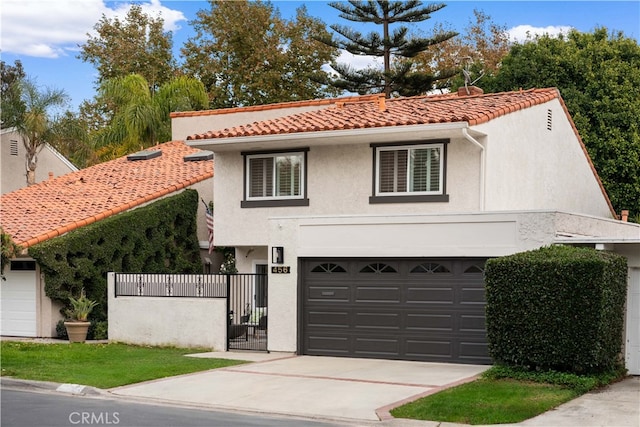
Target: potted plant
x: 78, y: 325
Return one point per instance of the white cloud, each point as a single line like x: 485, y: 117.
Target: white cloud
x: 359, y: 61
x: 521, y: 33
x: 54, y: 28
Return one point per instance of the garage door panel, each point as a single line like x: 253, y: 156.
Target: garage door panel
x: 329, y: 293
x: 471, y: 323
x: 379, y: 346
x: 425, y: 296
x: 413, y: 309
x: 377, y: 294
x: 328, y: 345
x: 475, y: 352
x: 472, y: 296
x: 429, y: 322
x: 377, y: 320
x: 424, y: 349
x: 328, y: 319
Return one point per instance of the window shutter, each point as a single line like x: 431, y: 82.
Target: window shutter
x: 393, y: 171
x: 260, y: 177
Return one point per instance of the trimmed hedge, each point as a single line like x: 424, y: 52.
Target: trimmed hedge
x: 157, y: 238
x: 556, y: 308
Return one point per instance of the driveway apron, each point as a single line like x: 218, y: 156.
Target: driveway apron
x: 307, y: 386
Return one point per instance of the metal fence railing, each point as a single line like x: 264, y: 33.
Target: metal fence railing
x: 171, y: 285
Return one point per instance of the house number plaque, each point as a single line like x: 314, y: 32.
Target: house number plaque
x: 280, y: 269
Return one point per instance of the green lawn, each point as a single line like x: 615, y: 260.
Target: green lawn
x: 100, y: 365
x: 487, y: 401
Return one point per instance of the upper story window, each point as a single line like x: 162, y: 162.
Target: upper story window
x: 275, y: 179
x: 409, y: 173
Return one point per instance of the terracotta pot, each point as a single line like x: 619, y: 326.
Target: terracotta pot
x: 77, y: 331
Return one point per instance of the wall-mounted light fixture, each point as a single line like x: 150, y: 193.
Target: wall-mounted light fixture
x: 277, y: 255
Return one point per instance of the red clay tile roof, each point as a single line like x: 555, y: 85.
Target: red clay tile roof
x: 276, y: 106
x: 370, y: 112
x: 51, y: 208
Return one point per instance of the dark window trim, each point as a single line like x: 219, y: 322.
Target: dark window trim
x: 441, y: 198
x: 304, y: 201
x: 273, y: 203
x: 435, y: 198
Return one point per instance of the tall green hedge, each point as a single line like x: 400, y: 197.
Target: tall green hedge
x: 157, y: 238
x: 557, y: 307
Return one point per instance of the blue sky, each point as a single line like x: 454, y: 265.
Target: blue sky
x: 45, y: 34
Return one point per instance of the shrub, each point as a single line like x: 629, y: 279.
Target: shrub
x: 579, y: 383
x: 556, y: 308
x: 157, y: 238
x: 98, y: 330
x: 61, y: 330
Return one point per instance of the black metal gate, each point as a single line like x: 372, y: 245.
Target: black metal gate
x: 247, y: 308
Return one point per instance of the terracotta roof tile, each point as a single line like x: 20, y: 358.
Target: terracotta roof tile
x: 365, y: 112
x: 276, y: 106
x: 51, y: 208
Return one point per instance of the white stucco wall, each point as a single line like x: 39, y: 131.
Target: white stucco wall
x: 531, y: 167
x: 339, y: 183
x: 182, y: 322
x: 12, y: 167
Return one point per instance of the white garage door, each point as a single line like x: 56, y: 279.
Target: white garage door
x: 633, y: 323
x: 18, y: 296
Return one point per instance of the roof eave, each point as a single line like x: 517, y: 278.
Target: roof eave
x: 332, y: 137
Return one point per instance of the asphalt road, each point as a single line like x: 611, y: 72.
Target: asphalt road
x: 29, y: 409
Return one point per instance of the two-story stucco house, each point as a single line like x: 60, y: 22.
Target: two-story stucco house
x: 374, y: 216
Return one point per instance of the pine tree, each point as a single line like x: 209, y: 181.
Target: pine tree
x: 399, y: 74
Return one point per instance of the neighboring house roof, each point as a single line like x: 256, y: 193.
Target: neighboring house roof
x: 375, y: 112
x: 51, y: 208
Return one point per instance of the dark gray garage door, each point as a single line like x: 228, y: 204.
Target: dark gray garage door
x: 410, y: 309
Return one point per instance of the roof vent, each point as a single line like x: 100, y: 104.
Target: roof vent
x: 144, y: 155
x: 199, y: 155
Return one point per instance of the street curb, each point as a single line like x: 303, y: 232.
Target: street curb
x: 74, y: 389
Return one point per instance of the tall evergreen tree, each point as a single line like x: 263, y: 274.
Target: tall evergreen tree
x: 399, y: 74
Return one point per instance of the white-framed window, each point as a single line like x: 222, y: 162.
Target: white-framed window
x: 275, y: 177
x: 408, y: 172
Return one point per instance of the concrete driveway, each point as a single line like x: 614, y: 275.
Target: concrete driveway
x: 306, y: 386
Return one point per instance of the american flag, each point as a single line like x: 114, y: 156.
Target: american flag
x: 209, y: 216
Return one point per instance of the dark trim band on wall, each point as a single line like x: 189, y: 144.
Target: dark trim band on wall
x: 437, y: 198
x: 273, y: 203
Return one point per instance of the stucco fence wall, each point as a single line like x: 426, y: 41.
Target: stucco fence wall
x: 167, y: 321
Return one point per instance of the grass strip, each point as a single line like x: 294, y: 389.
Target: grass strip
x: 100, y: 365
x: 487, y: 401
